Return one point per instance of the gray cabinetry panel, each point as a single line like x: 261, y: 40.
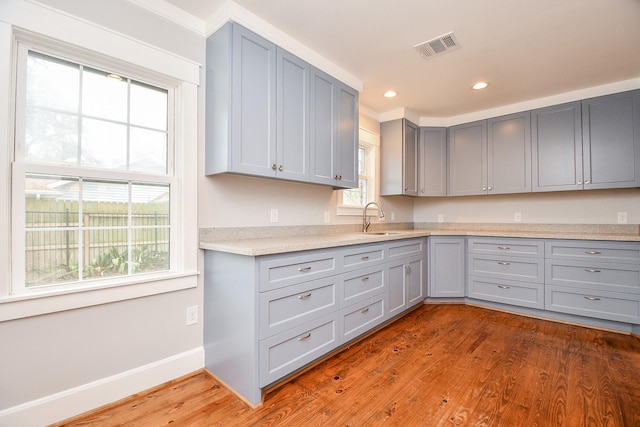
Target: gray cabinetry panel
x: 620, y: 252
x: 277, y: 272
x: 363, y: 256
x: 524, y: 294
x: 446, y: 267
x: 594, y: 275
x: 506, y: 246
x: 398, y: 158
x: 599, y: 304
x: 522, y: 269
x: 359, y: 319
x: 467, y: 153
x: 509, y: 154
x: 362, y: 284
x: 432, y: 162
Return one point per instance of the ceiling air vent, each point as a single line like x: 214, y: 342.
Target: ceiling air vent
x: 442, y: 44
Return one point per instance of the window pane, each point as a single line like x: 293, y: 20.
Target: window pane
x: 148, y: 151
x: 150, y: 209
x: 52, y: 83
x: 104, y: 144
x: 51, y: 137
x: 103, y: 97
x: 362, y: 161
x: 148, y: 106
x: 51, y: 238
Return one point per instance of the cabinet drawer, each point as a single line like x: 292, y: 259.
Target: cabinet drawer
x: 405, y: 248
x: 594, y: 275
x: 362, y: 284
x: 362, y: 257
x: 282, y: 354
x: 509, y: 247
x: 620, y: 252
x: 284, y: 308
x: 515, y: 293
x: 602, y: 305
x: 357, y: 320
x: 526, y: 269
x: 284, y: 271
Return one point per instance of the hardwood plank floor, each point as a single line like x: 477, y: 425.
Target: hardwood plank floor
x: 448, y: 364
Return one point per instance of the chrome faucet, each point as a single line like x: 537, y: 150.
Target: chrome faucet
x: 366, y: 222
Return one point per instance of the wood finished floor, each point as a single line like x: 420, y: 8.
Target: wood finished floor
x: 440, y: 365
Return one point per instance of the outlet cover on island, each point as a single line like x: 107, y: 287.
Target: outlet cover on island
x: 440, y: 218
x: 622, y: 217
x: 517, y: 217
x: 327, y: 218
x: 274, y: 215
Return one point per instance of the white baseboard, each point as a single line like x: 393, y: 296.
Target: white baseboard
x: 86, y: 397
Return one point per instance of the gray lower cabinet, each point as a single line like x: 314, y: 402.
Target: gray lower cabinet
x: 506, y: 270
x: 594, y: 279
x: 588, y: 144
x: 266, y: 317
x: 262, y: 109
x: 447, y: 267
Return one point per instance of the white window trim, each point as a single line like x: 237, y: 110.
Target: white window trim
x: 184, y: 75
x: 367, y: 138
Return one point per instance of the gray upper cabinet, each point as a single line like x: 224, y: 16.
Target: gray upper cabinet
x: 509, y: 154
x: 241, y: 103
x: 611, y: 141
x: 334, y: 132
x: 432, y: 162
x: 589, y: 144
x: 398, y: 158
x: 467, y: 153
x: 556, y: 133
x: 261, y: 103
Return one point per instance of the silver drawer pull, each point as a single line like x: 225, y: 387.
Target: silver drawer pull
x: 304, y: 296
x: 592, y: 298
x: 364, y: 310
x: 304, y: 337
x: 504, y: 263
x: 364, y: 258
x: 593, y: 252
x: 504, y: 287
x: 592, y: 270
x: 304, y: 269
x: 504, y: 248
x: 365, y: 278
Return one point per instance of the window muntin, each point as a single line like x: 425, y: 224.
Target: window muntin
x: 95, y: 171
x: 359, y: 197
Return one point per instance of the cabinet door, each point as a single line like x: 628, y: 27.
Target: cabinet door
x: 611, y: 141
x: 446, y: 267
x: 410, y: 159
x: 468, y: 159
x: 346, y: 137
x: 322, y: 137
x: 253, y: 112
x: 397, y: 288
x: 293, y: 117
x: 556, y: 139
x: 509, y: 154
x: 432, y: 162
x: 416, y: 281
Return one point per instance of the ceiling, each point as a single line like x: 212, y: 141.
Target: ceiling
x: 525, y: 49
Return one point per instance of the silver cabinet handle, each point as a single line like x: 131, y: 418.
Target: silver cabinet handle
x: 592, y: 252
x: 504, y: 287
x: 364, y: 258
x: 280, y: 168
x: 364, y: 310
x: 580, y: 182
x: 489, y: 188
x: 304, y: 337
x: 305, y: 296
x: 338, y: 177
x: 587, y: 182
x: 592, y: 270
x: 304, y: 269
x: 407, y: 269
x: 484, y: 188
x: 504, y: 263
x: 504, y: 248
x: 274, y: 166
x: 592, y: 298
x: 365, y: 278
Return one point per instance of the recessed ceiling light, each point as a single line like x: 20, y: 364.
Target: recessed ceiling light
x: 390, y: 94
x: 480, y: 85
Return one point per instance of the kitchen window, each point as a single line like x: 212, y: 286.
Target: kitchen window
x: 93, y: 177
x: 352, y: 201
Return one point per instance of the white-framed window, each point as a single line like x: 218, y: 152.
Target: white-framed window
x: 352, y: 201
x: 93, y: 176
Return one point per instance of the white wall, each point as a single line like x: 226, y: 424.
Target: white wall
x: 55, y: 365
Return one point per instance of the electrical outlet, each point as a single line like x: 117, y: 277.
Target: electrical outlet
x: 327, y: 218
x: 393, y: 216
x: 192, y: 315
x: 274, y: 215
x: 440, y: 218
x: 622, y: 217
x: 517, y: 216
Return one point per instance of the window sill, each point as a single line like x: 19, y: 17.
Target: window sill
x: 53, y: 300
x: 355, y: 211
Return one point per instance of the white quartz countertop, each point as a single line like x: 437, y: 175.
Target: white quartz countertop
x: 277, y: 245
